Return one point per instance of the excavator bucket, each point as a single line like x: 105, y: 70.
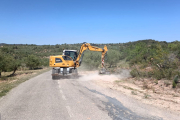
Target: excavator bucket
x: 104, y: 71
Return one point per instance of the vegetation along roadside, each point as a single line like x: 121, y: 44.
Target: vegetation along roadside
x: 7, y: 83
x: 146, y: 59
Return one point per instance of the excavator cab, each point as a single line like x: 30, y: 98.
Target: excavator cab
x: 71, y: 53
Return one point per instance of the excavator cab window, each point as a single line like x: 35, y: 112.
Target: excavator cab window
x: 66, y: 58
x: 58, y: 60
x: 71, y: 54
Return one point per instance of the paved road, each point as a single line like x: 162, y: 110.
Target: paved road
x: 42, y: 98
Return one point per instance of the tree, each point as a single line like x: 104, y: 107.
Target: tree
x: 32, y: 62
x: 92, y: 59
x: 5, y: 62
x: 14, y: 64
x: 113, y: 57
x: 1, y: 62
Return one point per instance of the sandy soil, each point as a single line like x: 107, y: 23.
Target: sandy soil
x: 157, y: 93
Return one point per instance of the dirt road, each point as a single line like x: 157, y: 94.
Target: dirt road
x: 42, y: 98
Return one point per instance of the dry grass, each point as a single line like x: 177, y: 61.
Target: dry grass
x: 7, y: 83
x: 134, y: 92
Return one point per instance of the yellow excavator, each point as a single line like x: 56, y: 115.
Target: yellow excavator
x: 69, y: 62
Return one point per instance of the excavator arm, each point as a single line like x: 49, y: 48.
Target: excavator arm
x: 86, y: 46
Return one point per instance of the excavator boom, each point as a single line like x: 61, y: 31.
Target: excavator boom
x: 86, y: 46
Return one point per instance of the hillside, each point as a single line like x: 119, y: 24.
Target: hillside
x: 147, y: 58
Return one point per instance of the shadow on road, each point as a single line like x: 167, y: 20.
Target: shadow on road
x: 117, y: 111
x: 61, y: 77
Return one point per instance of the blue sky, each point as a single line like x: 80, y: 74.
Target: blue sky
x: 94, y: 21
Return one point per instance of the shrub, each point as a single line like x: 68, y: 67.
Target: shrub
x: 168, y: 73
x: 45, y: 62
x: 113, y: 56
x: 176, y: 78
x: 6, y: 62
x: 175, y: 81
x: 158, y: 74
x: 174, y: 84
x: 134, y: 73
x: 150, y: 74
x: 32, y: 61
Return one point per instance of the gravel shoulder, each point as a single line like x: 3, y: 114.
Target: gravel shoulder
x: 132, y: 94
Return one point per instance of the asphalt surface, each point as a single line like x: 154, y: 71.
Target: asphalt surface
x: 42, y: 98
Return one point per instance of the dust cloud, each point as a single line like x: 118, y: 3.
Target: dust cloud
x: 94, y: 75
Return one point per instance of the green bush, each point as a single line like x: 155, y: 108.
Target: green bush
x: 44, y: 62
x: 158, y: 74
x: 168, y: 73
x: 174, y: 85
x: 113, y: 57
x: 175, y: 81
x: 7, y: 62
x: 32, y: 61
x: 150, y: 74
x: 134, y: 73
